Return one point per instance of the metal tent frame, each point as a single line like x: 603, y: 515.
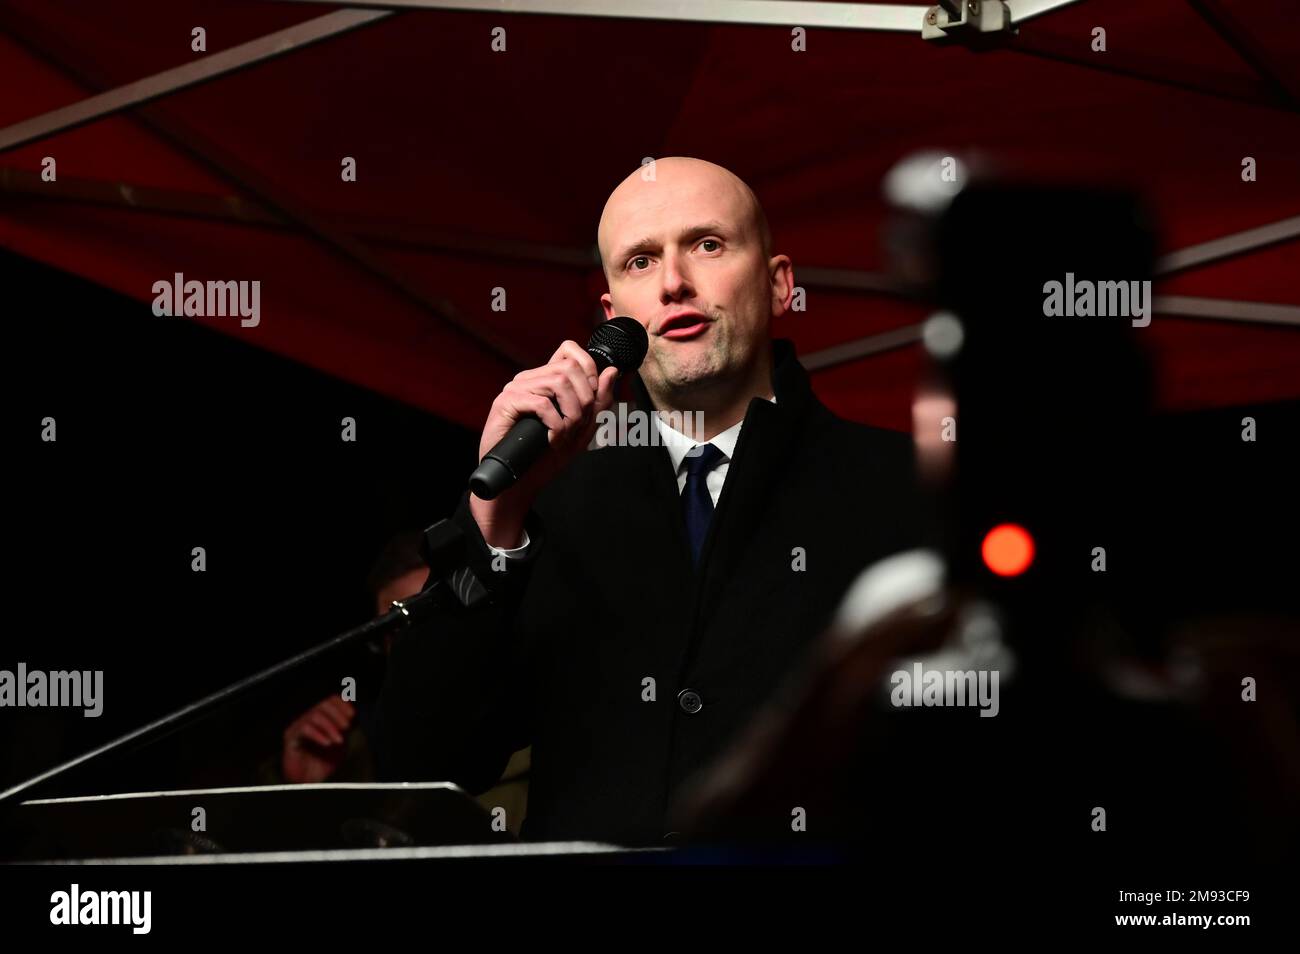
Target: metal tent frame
x: 949, y: 21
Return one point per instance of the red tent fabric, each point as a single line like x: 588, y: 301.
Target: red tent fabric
x: 480, y: 170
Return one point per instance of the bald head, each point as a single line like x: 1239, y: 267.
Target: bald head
x: 683, y: 182
x: 686, y: 251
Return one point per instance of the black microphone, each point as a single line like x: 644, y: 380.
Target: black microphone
x: 620, y: 342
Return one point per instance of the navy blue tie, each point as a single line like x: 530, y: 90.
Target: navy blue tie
x: 695, y: 495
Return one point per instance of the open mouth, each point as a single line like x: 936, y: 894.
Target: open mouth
x: 688, y: 326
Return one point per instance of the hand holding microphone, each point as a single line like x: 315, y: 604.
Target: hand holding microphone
x: 542, y: 419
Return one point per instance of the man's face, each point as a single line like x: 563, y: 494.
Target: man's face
x: 683, y: 255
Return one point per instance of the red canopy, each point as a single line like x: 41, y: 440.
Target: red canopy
x: 480, y: 169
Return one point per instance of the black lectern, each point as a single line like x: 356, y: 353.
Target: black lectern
x: 275, y: 818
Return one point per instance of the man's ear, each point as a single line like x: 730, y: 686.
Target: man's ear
x: 608, y: 304
x: 782, y: 284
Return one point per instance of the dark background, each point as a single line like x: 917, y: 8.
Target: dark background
x: 171, y: 436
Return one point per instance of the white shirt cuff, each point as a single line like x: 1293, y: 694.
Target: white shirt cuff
x: 516, y: 553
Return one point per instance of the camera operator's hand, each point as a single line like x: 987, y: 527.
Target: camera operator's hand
x: 315, y: 743
x: 571, y: 379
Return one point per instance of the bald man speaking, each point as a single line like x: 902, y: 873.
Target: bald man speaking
x: 627, y: 609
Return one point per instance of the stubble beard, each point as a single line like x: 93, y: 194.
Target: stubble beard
x: 681, y: 378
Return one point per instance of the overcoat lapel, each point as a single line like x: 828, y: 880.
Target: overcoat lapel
x: 767, y: 442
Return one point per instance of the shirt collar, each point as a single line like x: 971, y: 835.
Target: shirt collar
x: 678, y: 444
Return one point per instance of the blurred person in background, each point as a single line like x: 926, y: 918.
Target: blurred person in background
x: 330, y: 741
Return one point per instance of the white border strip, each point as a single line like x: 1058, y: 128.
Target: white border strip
x: 309, y: 786
x: 1022, y: 10
x: 543, y: 849
x: 846, y: 16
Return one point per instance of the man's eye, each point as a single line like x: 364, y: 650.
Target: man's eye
x: 707, y: 242
x: 640, y: 258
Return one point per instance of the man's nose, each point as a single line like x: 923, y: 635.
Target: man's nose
x: 676, y: 279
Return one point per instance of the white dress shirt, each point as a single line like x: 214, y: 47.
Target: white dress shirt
x: 678, y: 446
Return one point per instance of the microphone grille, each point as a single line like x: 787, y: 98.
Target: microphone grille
x: 621, y: 342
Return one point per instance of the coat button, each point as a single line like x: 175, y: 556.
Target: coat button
x: 690, y: 701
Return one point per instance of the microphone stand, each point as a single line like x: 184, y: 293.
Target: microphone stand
x: 444, y: 549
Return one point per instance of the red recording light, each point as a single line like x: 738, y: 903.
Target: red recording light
x: 1008, y: 549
